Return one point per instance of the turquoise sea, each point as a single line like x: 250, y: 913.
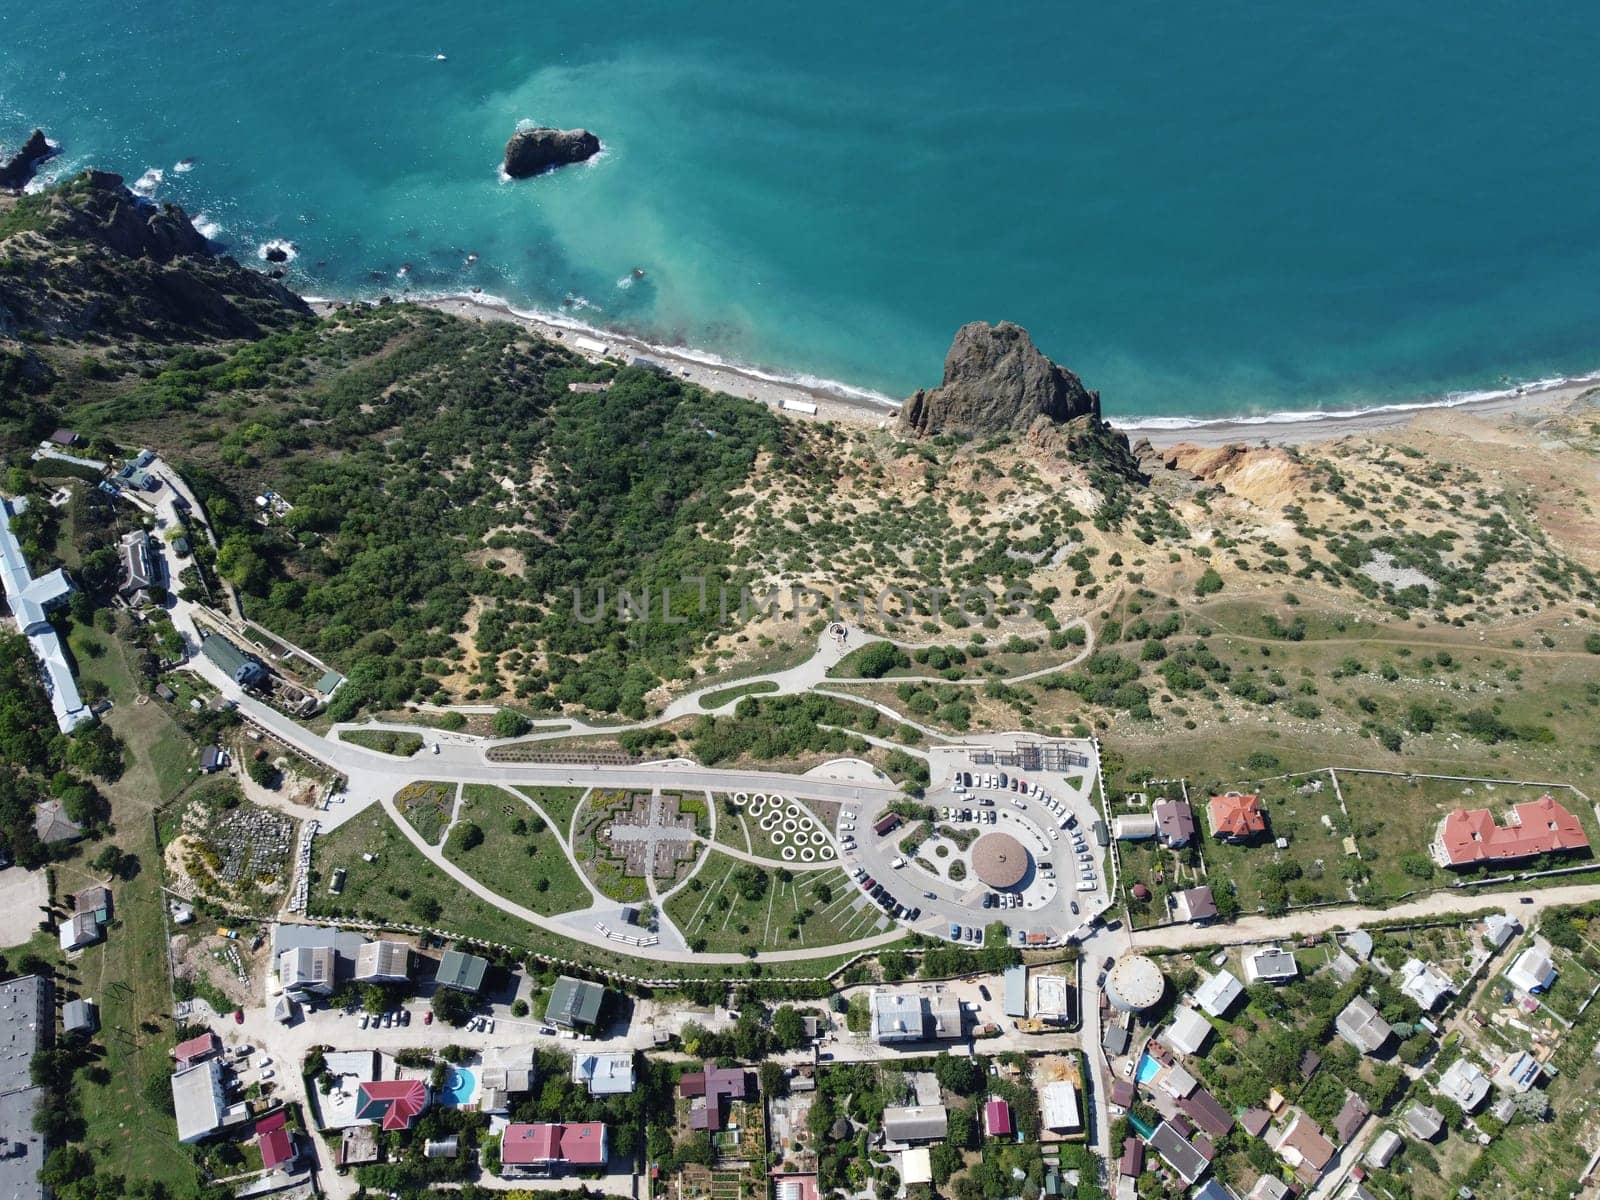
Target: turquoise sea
x: 1231, y: 208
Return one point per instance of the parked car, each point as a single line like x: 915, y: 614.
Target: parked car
x: 238, y: 1016
x: 914, y: 914
x: 984, y: 992
x: 1074, y: 907
x: 1100, y: 980
x: 1110, y: 961
x: 427, y: 1017
x: 405, y: 1016
x: 365, y: 1020
x: 988, y: 899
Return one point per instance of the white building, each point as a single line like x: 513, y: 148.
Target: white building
x: 604, y: 1074
x: 1425, y: 983
x: 31, y: 601
x: 1533, y: 971
x: 1463, y: 1083
x: 1058, y: 1106
x: 1518, y: 1072
x: 1218, y: 993
x: 1270, y: 965
x: 199, y: 1101
x: 1188, y: 1033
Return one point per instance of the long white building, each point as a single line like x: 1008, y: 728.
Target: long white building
x: 30, y: 601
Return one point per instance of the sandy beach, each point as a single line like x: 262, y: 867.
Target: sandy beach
x: 862, y: 411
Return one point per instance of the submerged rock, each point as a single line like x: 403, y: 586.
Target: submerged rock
x: 532, y: 151
x: 18, y: 170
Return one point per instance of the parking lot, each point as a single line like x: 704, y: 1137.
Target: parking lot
x: 1007, y: 842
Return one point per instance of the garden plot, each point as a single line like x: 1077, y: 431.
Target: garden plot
x: 230, y: 852
x: 781, y: 828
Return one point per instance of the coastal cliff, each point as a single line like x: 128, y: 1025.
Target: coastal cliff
x: 997, y: 381
x: 91, y: 258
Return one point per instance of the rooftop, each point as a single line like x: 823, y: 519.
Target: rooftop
x: 1540, y: 826
x: 574, y: 1002
x: 1236, y: 817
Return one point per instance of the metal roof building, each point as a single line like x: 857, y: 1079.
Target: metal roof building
x: 27, y: 1024
x: 573, y: 1002
x: 465, y: 973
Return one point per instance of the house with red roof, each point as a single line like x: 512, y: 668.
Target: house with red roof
x: 997, y: 1119
x: 529, y: 1151
x: 1466, y: 838
x: 275, y: 1141
x: 1236, y: 818
x: 197, y: 1050
x: 391, y: 1103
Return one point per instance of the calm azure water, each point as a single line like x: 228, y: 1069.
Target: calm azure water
x: 1229, y: 208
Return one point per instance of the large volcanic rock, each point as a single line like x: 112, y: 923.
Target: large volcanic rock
x: 531, y: 151
x: 15, y: 174
x: 996, y: 380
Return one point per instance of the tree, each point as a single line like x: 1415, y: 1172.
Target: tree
x: 773, y: 1080
x: 509, y: 723
x: 451, y: 1007
x: 788, y: 1028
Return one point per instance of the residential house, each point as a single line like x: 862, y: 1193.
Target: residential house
x: 1518, y: 1072
x: 1122, y: 1093
x: 1058, y: 1107
x: 1541, y: 826
x: 997, y: 1119
x: 531, y: 1151
x: 1219, y: 993
x: 604, y: 1074
x: 1361, y: 1026
x: 1236, y: 818
x: 391, y: 1104
x: 199, y: 1100
x: 1424, y: 1121
x: 212, y: 759
x: 1270, y: 965
x: 1500, y: 928
x: 465, y: 973
x: 96, y: 901
x: 275, y: 1142
x: 244, y: 669
x: 383, y: 962
x: 916, y: 1166
x: 141, y: 565
x: 1270, y: 1187
x: 713, y: 1089
x: 913, y: 1016
x: 80, y: 930
x: 308, y: 970
x: 1383, y: 1148
x: 1350, y: 1118
x: 79, y: 1017
x: 1214, y: 1189
x: 1305, y: 1148
x: 1175, y: 823
x: 906, y: 1124
x: 1533, y: 970
x: 507, y: 1071
x: 1188, y: 1033
x: 52, y: 824
x: 1464, y: 1083
x: 1206, y: 1111
x: 574, y: 1003
x: 197, y: 1050
x: 1194, y: 905
x: 1425, y: 983
x: 1178, y: 1152
x: 1131, y: 1165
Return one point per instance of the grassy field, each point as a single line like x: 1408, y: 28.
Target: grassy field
x: 528, y: 868
x: 1393, y: 817
x: 1312, y: 868
x: 720, y: 697
x: 127, y: 974
x: 427, y: 807
x: 719, y: 914
x: 399, y: 880
x: 559, y: 804
x: 386, y: 741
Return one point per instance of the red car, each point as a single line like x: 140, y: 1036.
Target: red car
x: 427, y: 1017
x: 238, y: 1016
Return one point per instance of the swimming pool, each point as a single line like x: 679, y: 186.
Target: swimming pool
x: 459, y: 1088
x: 1149, y: 1068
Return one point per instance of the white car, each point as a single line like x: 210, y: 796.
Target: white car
x: 847, y: 826
x: 848, y: 815
x: 898, y: 863
x: 267, y: 1074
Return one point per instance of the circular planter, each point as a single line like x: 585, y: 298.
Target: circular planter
x: 807, y: 854
x: 788, y: 854
x: 741, y: 798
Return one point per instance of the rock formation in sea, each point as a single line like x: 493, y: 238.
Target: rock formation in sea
x: 18, y: 170
x: 997, y: 381
x: 532, y: 151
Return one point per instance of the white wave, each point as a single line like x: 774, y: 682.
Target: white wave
x: 183, y: 166
x: 147, y: 183
x: 207, y: 226
x: 290, y: 250
x: 625, y: 282
x: 1306, y: 416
